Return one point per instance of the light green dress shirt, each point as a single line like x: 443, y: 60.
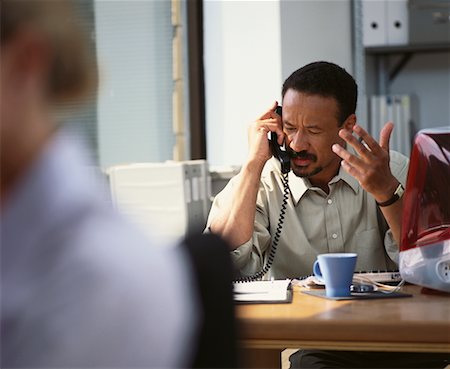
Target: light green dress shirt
x: 345, y: 220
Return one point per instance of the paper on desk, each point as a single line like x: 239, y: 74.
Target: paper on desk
x: 310, y: 282
x: 264, y: 291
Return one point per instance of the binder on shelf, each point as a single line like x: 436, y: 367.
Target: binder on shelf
x: 375, y: 111
x: 405, y: 102
x: 397, y: 22
x: 374, y: 22
x: 168, y: 199
x: 383, y: 116
x: 389, y: 117
x: 400, y: 129
x: 395, y: 108
x: 197, y: 172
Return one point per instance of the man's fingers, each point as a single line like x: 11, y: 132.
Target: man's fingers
x: 271, y: 125
x: 385, y: 135
x: 268, y: 113
x: 351, y: 170
x: 354, y: 142
x: 350, y: 159
x: 371, y: 143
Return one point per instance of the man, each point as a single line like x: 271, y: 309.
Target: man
x: 344, y: 191
x: 336, y: 183
x: 80, y: 287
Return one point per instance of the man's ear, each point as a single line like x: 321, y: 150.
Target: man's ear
x: 349, y: 123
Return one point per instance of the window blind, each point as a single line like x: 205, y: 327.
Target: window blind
x: 131, y: 117
x: 134, y: 108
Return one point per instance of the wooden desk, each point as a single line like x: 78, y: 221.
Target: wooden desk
x: 415, y: 324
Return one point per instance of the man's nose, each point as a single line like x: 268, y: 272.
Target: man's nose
x: 299, y: 142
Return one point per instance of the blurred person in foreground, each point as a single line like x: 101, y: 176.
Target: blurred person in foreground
x: 80, y: 287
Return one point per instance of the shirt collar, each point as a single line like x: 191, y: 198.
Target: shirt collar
x: 299, y: 186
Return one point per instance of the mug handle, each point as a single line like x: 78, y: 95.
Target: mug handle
x: 316, y: 271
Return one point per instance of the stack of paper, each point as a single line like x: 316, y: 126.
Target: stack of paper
x: 275, y: 291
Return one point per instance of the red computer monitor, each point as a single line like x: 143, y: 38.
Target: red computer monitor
x: 425, y: 237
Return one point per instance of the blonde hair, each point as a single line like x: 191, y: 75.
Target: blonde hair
x: 73, y: 73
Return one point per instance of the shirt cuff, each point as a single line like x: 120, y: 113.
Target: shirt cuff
x: 391, y: 246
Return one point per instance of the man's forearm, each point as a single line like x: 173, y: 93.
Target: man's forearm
x: 235, y: 221
x: 393, y: 216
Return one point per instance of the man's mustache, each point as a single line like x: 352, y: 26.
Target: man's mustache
x: 301, y: 155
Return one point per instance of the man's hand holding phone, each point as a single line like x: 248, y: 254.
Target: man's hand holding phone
x: 235, y: 220
x: 259, y: 149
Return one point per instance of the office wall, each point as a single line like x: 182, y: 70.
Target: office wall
x: 250, y: 48
x: 315, y: 30
x: 242, y: 72
x: 427, y: 78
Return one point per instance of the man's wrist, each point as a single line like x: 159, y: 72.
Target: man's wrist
x: 254, y: 166
x: 398, y: 193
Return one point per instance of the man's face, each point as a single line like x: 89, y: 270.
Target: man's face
x: 311, y: 126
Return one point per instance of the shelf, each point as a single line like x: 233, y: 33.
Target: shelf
x: 407, y: 49
x: 377, y: 67
x: 380, y: 53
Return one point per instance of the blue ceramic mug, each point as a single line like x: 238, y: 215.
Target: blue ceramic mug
x: 336, y: 271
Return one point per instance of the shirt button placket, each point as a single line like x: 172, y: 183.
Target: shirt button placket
x: 333, y: 225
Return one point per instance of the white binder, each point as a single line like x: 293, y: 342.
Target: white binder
x: 400, y: 129
x: 374, y: 22
x: 395, y: 108
x: 197, y: 171
x: 397, y: 22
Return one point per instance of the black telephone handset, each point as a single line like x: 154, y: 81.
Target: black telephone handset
x: 278, y: 151
x: 281, y: 154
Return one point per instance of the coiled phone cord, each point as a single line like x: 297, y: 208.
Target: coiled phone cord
x: 276, y: 237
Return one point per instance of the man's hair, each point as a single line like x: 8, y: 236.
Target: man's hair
x: 73, y: 72
x: 327, y: 80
